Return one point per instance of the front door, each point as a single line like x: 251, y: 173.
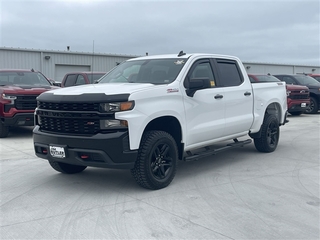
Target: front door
x: 205, y: 109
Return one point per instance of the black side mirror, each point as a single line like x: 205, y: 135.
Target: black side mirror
x: 195, y: 84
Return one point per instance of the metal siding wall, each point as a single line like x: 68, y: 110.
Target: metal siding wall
x: 20, y: 59
x: 25, y: 58
x: 279, y: 69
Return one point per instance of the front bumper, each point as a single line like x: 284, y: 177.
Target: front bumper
x: 109, y: 150
x: 298, y: 106
x: 19, y: 119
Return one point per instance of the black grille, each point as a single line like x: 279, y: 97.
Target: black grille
x: 76, y: 118
x: 69, y: 106
x: 70, y: 125
x: 26, y: 102
x: 299, y: 96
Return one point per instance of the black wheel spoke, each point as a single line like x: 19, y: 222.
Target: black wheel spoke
x: 164, y: 150
x: 162, y: 172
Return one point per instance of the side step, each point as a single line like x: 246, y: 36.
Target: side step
x: 208, y: 152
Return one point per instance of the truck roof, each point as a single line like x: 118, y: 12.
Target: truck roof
x: 184, y: 55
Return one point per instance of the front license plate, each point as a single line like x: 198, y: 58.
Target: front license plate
x: 303, y: 104
x: 57, y: 152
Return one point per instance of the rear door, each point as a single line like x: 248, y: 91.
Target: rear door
x: 237, y: 96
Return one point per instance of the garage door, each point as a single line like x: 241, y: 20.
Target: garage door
x: 61, y: 70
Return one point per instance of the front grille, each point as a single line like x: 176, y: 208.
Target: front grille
x: 69, y: 106
x: 70, y: 118
x: 26, y: 102
x: 299, y: 96
x: 69, y: 125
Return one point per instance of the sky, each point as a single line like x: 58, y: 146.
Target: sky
x: 272, y: 31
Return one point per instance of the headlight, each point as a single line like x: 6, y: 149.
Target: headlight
x: 116, y: 106
x: 288, y: 93
x: 8, y: 97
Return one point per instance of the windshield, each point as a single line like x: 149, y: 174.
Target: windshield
x: 23, y: 78
x: 95, y: 76
x: 155, y: 71
x: 306, y: 80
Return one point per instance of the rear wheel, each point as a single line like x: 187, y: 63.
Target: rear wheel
x: 313, y: 107
x: 268, y: 141
x: 4, y: 130
x: 156, y: 164
x: 66, y: 168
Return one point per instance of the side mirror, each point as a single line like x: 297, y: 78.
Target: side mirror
x: 195, y: 84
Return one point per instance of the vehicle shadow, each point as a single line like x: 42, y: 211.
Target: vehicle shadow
x: 25, y: 131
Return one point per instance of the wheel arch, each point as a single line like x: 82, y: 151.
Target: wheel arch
x: 273, y: 108
x: 170, y: 125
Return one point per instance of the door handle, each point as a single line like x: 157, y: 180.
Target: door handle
x: 218, y: 96
x: 247, y: 93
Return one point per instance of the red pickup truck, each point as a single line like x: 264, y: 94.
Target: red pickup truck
x: 80, y: 78
x: 298, y: 97
x: 18, y: 92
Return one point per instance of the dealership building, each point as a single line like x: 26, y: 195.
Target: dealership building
x: 55, y: 64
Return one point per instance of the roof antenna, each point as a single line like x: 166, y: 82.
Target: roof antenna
x: 181, y: 53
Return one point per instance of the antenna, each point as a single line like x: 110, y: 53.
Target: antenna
x: 92, y: 59
x: 181, y: 53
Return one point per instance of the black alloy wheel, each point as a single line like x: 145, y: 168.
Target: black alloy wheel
x: 156, y: 164
x: 270, y: 133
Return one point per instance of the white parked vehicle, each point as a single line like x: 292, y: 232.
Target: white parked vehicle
x: 150, y: 112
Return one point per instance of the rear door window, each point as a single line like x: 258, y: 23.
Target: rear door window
x: 229, y: 73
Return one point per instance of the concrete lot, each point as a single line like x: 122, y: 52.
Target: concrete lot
x: 239, y: 194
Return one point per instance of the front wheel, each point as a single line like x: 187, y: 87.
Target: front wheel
x: 156, y: 164
x: 66, y: 168
x: 4, y: 130
x: 270, y: 132
x: 313, y: 107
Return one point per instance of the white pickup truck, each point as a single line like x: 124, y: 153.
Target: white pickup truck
x: 150, y: 112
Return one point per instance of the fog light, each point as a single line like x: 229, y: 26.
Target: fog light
x: 105, y: 124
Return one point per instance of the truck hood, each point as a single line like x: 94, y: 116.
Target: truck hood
x: 313, y: 86
x: 296, y: 87
x: 106, y: 88
x: 25, y: 89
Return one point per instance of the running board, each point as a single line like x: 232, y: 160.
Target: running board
x: 208, y: 152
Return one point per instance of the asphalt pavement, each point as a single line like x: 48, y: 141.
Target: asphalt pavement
x: 237, y: 194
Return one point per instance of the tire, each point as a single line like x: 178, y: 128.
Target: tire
x: 4, y: 130
x: 313, y: 107
x: 295, y: 113
x: 66, y: 168
x: 156, y: 164
x: 270, y: 133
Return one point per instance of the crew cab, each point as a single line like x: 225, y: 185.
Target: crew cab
x: 149, y: 112
x: 18, y: 92
x: 80, y: 78
x: 298, y: 98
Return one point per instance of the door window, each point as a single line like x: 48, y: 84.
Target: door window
x: 202, y: 69
x: 70, y: 80
x: 80, y: 80
x: 229, y: 73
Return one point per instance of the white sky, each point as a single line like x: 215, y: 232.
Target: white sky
x: 273, y: 31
